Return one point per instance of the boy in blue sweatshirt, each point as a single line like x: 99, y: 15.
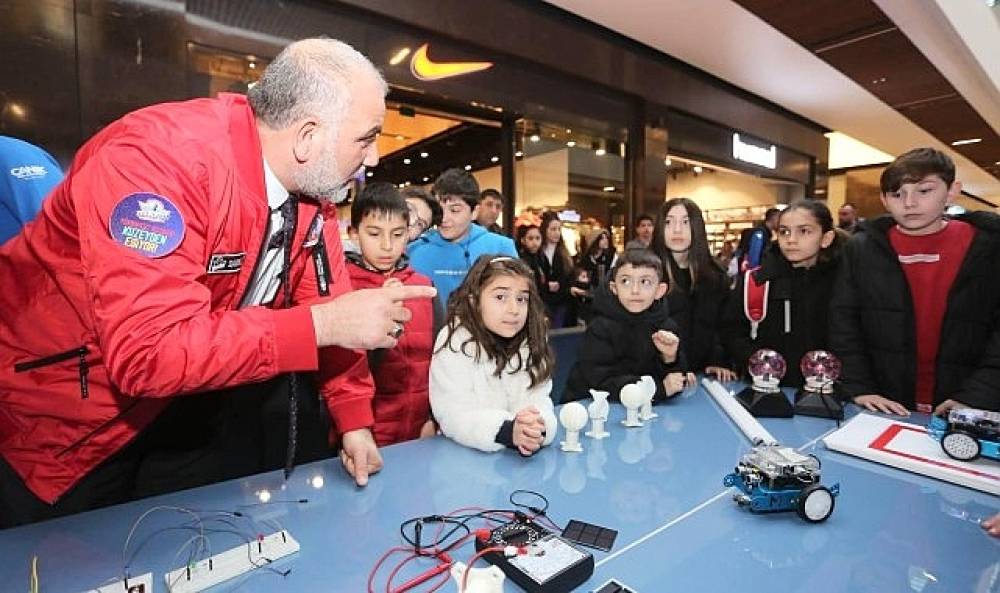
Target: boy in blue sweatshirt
x: 446, y: 253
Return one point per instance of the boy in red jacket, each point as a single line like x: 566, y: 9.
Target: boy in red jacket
x: 379, y: 224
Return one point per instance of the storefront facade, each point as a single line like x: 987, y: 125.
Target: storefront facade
x: 560, y: 113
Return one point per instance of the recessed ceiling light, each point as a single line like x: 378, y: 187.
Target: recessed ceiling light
x: 600, y: 152
x: 494, y: 159
x: 697, y: 169
x: 519, y: 154
x: 424, y: 155
x: 398, y: 57
x: 468, y: 167
x: 571, y: 143
x: 407, y: 161
x: 667, y: 161
x: 370, y: 174
x: 966, y: 141
x: 426, y: 179
x: 609, y: 188
x: 535, y: 138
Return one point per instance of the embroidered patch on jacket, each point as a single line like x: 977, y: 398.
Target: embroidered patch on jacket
x: 147, y: 223
x: 920, y: 258
x: 226, y: 263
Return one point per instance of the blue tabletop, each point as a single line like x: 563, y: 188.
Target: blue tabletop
x: 660, y: 486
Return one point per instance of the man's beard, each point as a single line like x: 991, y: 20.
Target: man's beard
x: 315, y: 182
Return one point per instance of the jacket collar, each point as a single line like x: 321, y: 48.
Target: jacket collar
x: 245, y: 143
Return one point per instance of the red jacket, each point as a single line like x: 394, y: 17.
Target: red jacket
x: 95, y: 335
x: 401, y: 374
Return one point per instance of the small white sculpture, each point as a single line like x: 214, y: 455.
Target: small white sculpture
x: 481, y: 580
x: 573, y: 417
x: 632, y: 396
x: 598, y: 411
x: 648, y: 385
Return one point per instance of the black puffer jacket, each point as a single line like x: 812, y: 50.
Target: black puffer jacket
x: 872, y: 325
x: 618, y: 349
x: 698, y: 313
x: 807, y: 294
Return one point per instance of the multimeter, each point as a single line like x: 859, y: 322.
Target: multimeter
x: 551, y: 564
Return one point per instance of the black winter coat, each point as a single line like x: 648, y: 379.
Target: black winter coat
x: 698, y: 314
x: 807, y: 294
x: 872, y: 325
x: 618, y: 349
x: 557, y: 271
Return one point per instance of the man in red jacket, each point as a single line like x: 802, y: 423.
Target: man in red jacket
x: 191, y: 249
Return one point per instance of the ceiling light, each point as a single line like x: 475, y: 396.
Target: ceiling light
x: 400, y: 137
x: 468, y: 167
x: 407, y: 161
x: 398, y: 57
x: 519, y: 154
x: 600, y: 152
x: 609, y: 188
x: 370, y: 174
x: 966, y: 141
x: 426, y: 179
x: 535, y: 138
x: 252, y: 65
x: 401, y: 186
x: 697, y: 169
x: 16, y: 110
x: 571, y: 143
x: 667, y: 161
x: 424, y: 155
x: 569, y: 131
x: 494, y: 159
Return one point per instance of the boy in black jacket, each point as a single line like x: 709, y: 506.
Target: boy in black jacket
x: 915, y: 315
x: 630, y: 334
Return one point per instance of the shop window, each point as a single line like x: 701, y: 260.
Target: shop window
x: 573, y: 171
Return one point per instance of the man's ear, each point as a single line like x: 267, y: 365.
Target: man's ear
x: 307, y: 142
x: 661, y: 289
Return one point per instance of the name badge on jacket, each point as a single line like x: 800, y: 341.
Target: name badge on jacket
x: 225, y: 263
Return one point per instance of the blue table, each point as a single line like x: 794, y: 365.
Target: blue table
x: 660, y: 486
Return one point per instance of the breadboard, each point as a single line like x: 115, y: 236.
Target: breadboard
x: 230, y: 564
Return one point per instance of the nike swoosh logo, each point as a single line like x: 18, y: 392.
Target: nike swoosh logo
x: 424, y: 68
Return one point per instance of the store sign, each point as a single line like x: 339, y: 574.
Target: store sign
x: 755, y: 155
x: 424, y: 68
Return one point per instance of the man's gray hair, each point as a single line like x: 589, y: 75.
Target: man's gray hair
x: 311, y: 77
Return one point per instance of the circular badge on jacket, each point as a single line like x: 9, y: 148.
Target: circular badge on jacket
x: 147, y: 223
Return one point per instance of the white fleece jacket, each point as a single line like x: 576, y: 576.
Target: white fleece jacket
x: 471, y: 404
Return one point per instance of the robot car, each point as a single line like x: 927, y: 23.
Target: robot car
x: 968, y: 433
x: 773, y: 478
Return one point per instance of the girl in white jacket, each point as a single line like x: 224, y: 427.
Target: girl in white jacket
x: 491, y: 372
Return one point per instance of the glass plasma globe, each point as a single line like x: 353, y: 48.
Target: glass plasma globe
x: 820, y: 369
x: 766, y: 367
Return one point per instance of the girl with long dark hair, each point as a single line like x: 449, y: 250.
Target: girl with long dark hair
x: 698, y: 285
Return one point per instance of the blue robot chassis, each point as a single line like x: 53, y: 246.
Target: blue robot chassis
x: 772, y: 478
x: 967, y: 433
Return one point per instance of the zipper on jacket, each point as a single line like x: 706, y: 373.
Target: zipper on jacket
x: 78, y: 353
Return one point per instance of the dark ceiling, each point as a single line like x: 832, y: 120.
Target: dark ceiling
x: 858, y: 39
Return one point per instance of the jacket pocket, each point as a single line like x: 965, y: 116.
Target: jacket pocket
x: 79, y: 353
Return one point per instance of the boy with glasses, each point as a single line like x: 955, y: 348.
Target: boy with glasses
x: 630, y: 334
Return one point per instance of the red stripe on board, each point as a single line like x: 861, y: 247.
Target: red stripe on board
x: 890, y: 433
